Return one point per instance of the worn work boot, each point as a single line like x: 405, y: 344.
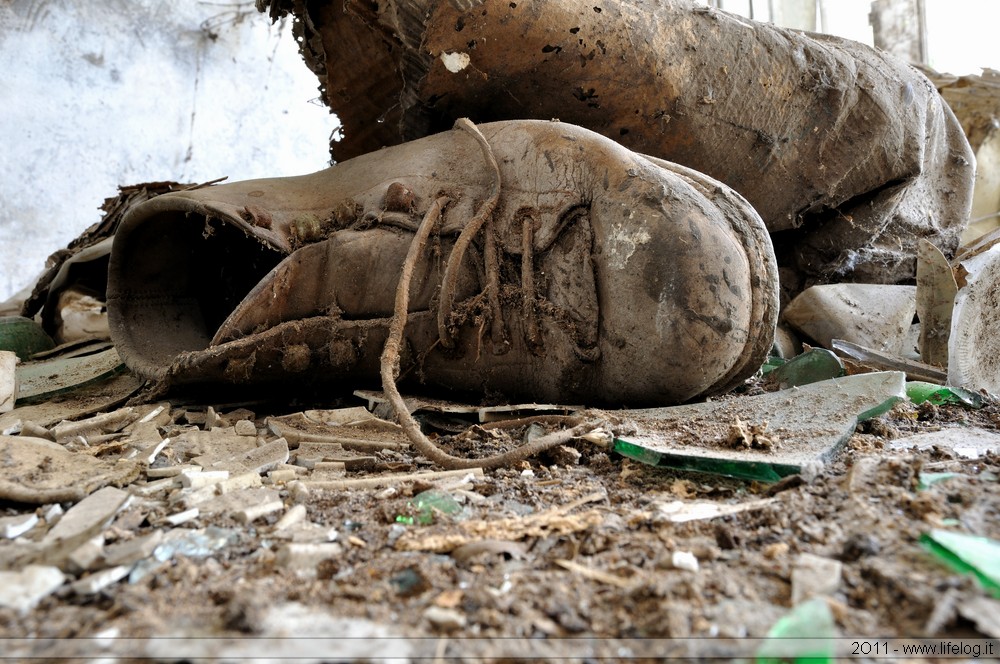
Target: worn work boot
x: 561, y: 267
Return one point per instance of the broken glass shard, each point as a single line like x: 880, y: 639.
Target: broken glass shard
x: 764, y: 437
x: 920, y: 392
x: 927, y: 480
x: 967, y: 554
x: 812, y: 366
x: 806, y: 634
x: 48, y: 378
x: 23, y: 336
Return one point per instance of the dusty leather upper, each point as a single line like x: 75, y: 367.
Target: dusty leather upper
x: 619, y: 278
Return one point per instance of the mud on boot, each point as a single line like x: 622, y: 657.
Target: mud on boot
x: 548, y: 263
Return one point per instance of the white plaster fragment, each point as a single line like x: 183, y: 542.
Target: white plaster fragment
x: 192, y: 498
x: 8, y: 380
x: 455, y: 62
x: 245, y: 428
x: 240, y: 499
x: 95, y: 583
x: 12, y: 527
x: 152, y: 415
x: 23, y: 589
x: 684, y: 560
x: 169, y: 471
x: 151, y: 457
x: 53, y: 513
x: 445, y: 619
x: 89, y: 516
x: 814, y: 576
x: 294, y: 515
x: 212, y: 419
x: 282, y: 475
x: 200, y: 479
x: 182, y: 517
x: 84, y: 557
x: 254, y: 512
x: 257, y: 460
x: 131, y: 551
x: 103, y: 423
x: 242, y: 481
x: 152, y: 488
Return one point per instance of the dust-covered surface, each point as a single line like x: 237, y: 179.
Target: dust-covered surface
x: 572, y: 545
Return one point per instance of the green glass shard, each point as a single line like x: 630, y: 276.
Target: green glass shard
x: 773, y: 362
x: 919, y: 392
x: 880, y: 409
x: 408, y: 582
x: 428, y: 503
x: 812, y: 366
x: 45, y: 379
x: 763, y: 437
x: 753, y: 470
x: 806, y: 634
x: 967, y: 554
x: 928, y: 480
x: 23, y: 336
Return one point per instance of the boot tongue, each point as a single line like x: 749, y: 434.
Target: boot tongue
x: 290, y: 291
x: 351, y: 275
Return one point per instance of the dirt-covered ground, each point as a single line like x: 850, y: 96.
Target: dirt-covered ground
x: 577, y: 556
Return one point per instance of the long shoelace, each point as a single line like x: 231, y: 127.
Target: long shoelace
x: 389, y: 363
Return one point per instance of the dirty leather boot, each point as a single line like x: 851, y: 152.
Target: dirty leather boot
x: 561, y: 267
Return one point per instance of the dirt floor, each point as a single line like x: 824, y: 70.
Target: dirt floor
x: 571, y: 556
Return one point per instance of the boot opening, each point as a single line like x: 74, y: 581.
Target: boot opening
x: 174, y: 278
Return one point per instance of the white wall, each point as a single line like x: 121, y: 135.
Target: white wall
x: 962, y: 35
x: 100, y: 93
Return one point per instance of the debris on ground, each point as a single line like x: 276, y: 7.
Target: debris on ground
x: 973, y: 346
x: 48, y: 377
x: 936, y: 291
x: 8, y: 381
x: 23, y: 337
x: 41, y: 471
x: 920, y: 392
x: 817, y: 471
x: 308, y: 511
